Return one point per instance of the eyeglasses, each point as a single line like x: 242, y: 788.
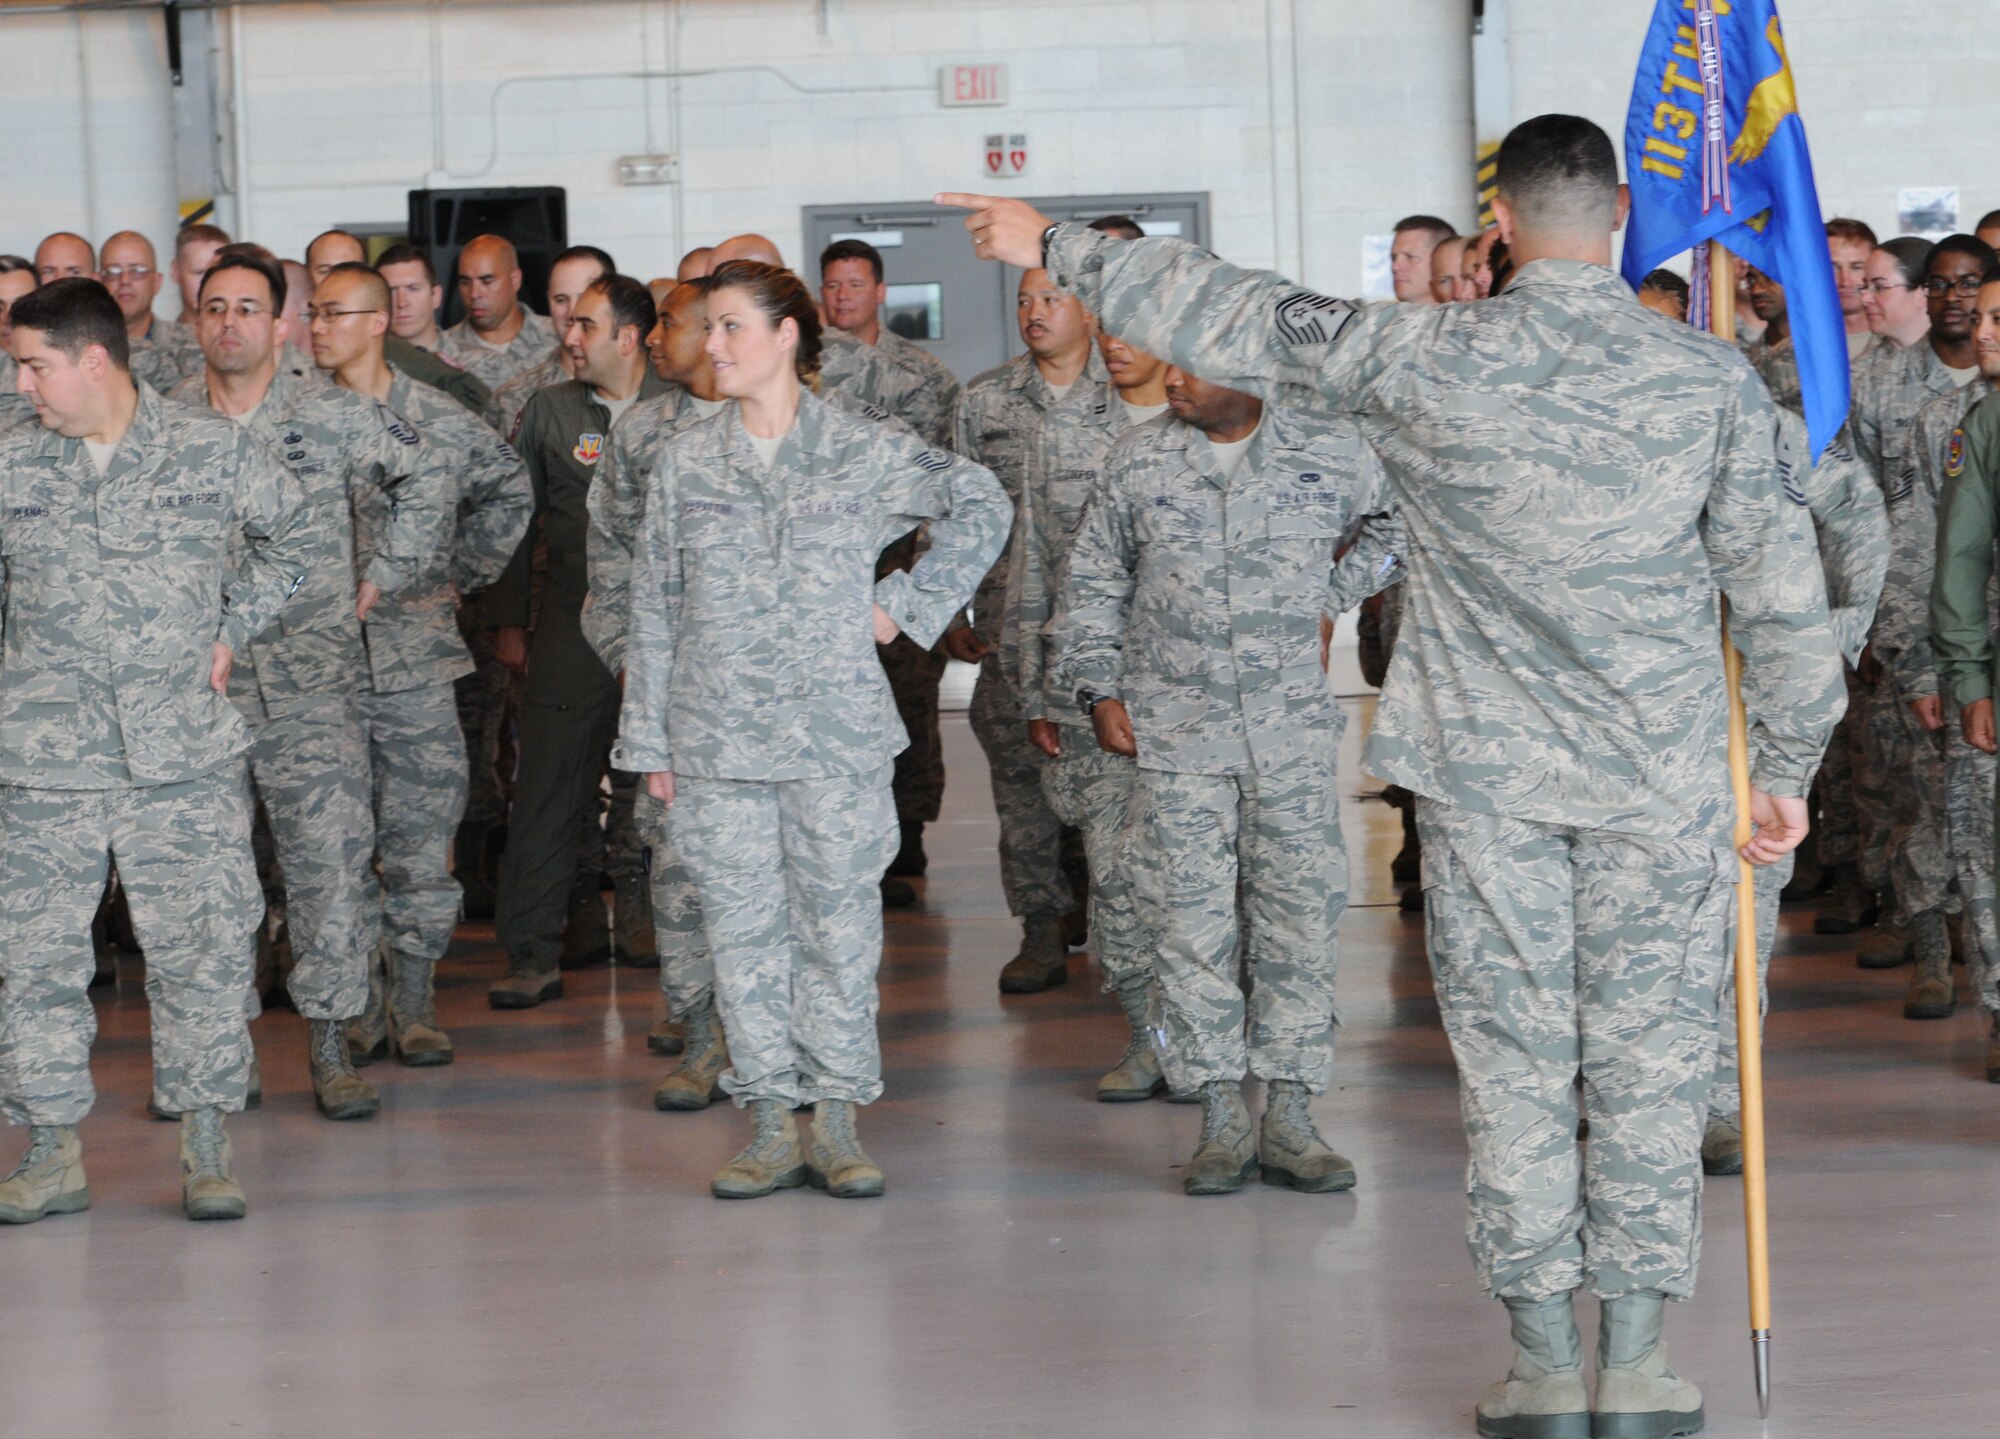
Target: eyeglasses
x: 314, y: 315
x: 242, y: 309
x: 119, y: 272
x: 1883, y: 287
x: 1964, y: 285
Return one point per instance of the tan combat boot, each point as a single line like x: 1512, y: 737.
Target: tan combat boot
x: 772, y: 1160
x: 1289, y: 1150
x: 48, y: 1180
x: 420, y: 1044
x: 1931, y: 994
x: 669, y: 1036
x: 1137, y: 1076
x: 208, y: 1189
x: 1542, y: 1396
x: 836, y: 1162
x: 1227, y: 1154
x: 1886, y: 946
x: 587, y: 931
x: 525, y: 984
x: 1042, y: 962
x: 339, y: 1092
x: 1638, y: 1396
x: 691, y: 1084
x: 632, y: 941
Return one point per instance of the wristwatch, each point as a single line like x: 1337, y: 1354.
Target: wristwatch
x: 1045, y: 242
x: 1089, y: 700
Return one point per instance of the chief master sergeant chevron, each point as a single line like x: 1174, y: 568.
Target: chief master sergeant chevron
x: 1581, y: 480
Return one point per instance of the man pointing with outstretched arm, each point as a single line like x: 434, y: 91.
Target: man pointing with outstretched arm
x: 1582, y: 480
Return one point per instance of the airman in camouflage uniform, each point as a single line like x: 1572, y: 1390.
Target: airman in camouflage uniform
x: 1086, y: 786
x: 416, y: 748
x: 1853, y: 537
x: 1194, y: 596
x: 533, y: 345
x: 298, y: 686
x: 170, y: 353
x: 120, y: 589
x: 1964, y: 617
x: 998, y: 415
x: 751, y: 678
x: 437, y: 372
x: 15, y: 407
x: 1579, y: 477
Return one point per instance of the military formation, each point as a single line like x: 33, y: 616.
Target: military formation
x: 328, y: 624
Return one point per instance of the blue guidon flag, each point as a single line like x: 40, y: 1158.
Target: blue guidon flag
x: 1715, y: 149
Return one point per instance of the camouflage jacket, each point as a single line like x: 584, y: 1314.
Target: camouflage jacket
x: 350, y: 458
x: 1902, y: 625
x: 531, y: 344
x: 116, y: 589
x: 1849, y: 527
x: 929, y: 401
x: 15, y: 407
x: 617, y: 499
x: 752, y: 651
x: 998, y: 415
x: 1197, y: 600
x: 1778, y: 365
x: 162, y: 356
x: 1581, y: 480
x: 1961, y: 618
x: 413, y: 638
x: 437, y: 372
x: 503, y: 410
x: 1890, y: 385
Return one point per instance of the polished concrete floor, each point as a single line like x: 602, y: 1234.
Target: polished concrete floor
x: 520, y: 1246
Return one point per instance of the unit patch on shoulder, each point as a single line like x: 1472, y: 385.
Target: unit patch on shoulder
x: 589, y: 448
x: 1954, y: 454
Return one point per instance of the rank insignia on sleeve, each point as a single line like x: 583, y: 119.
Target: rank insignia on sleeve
x: 589, y: 448
x: 1954, y: 455
x: 933, y: 461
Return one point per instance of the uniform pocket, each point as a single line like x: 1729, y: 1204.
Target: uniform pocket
x: 38, y: 719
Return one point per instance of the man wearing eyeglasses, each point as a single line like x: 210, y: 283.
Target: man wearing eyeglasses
x: 1891, y: 386
x: 409, y: 709
x: 130, y: 270
x: 376, y: 513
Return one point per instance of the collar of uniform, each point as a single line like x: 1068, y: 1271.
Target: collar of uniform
x: 803, y: 439
x: 147, y: 420
x: 1569, y: 275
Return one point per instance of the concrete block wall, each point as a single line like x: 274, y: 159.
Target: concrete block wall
x: 1312, y: 123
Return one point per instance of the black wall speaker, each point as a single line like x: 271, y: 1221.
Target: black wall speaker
x: 534, y: 217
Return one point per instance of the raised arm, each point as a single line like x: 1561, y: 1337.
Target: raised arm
x: 967, y: 515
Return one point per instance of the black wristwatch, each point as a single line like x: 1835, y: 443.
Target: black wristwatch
x: 1089, y: 700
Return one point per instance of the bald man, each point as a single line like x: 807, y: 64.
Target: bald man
x: 696, y: 264
x: 330, y: 248
x: 131, y: 272
x: 64, y: 256
x: 499, y: 336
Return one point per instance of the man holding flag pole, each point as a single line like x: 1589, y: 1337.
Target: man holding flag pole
x: 1582, y: 481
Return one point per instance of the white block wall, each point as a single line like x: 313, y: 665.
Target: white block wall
x: 1312, y: 123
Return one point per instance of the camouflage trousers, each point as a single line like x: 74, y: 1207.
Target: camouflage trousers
x: 1855, y: 823
x: 1920, y: 871
x: 687, y: 970
x: 310, y: 768
x: 1092, y: 791
x: 1725, y: 1091
x: 1969, y: 808
x: 1224, y: 865
x: 787, y: 873
x: 556, y: 832
x: 1557, y: 953
x: 914, y: 675
x: 416, y: 753
x: 183, y: 853
x: 482, y: 698
x: 1031, y: 871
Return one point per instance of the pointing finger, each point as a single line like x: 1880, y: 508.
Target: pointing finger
x: 959, y: 200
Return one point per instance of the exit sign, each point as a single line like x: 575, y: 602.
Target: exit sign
x: 972, y: 85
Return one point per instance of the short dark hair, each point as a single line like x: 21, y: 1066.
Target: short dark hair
x: 199, y: 233
x: 1912, y: 255
x: 1123, y: 226
x: 1440, y: 229
x: 1667, y: 283
x: 604, y: 261
x: 1971, y: 246
x: 1988, y: 221
x: 271, y: 269
x: 1858, y: 232
x: 74, y: 314
x: 631, y: 302
x: 408, y: 254
x: 851, y: 250
x: 1991, y: 277
x: 1558, y: 172
x: 376, y: 286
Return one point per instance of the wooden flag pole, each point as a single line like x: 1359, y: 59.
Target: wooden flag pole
x: 1749, y: 1017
